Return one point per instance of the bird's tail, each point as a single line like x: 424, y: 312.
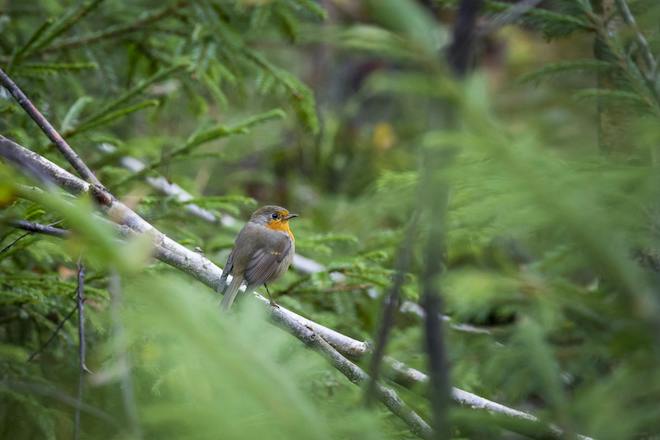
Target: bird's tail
x: 230, y: 292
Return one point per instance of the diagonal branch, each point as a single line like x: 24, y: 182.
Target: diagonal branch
x: 48, y: 129
x: 357, y: 376
x: 204, y: 270
x: 53, y: 335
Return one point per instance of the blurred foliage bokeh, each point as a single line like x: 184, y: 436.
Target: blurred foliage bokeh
x: 336, y: 109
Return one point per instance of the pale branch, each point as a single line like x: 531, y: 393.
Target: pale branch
x: 162, y: 185
x: 356, y: 375
x: 205, y: 271
x: 176, y: 255
x: 48, y: 129
x: 407, y: 376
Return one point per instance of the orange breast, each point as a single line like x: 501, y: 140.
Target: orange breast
x: 282, y: 226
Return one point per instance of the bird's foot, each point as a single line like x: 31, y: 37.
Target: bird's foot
x: 273, y: 304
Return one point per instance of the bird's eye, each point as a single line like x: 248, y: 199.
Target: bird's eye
x: 273, y: 215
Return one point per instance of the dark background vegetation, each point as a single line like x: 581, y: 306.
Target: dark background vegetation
x: 512, y: 160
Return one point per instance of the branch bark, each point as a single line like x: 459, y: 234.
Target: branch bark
x: 356, y: 375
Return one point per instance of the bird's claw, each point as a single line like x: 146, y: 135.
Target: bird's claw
x: 274, y: 304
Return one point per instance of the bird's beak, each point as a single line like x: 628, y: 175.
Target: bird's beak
x: 290, y: 216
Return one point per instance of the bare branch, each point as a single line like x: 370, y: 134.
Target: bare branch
x: 80, y: 301
x: 406, y: 376
x: 40, y: 229
x: 356, y: 375
x: 48, y: 129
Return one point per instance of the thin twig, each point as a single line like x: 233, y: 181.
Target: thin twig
x: 54, y: 393
x: 115, y: 31
x: 48, y: 129
x: 55, y: 333
x: 80, y: 300
x: 13, y: 243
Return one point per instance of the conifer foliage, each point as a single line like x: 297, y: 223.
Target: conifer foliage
x: 477, y: 184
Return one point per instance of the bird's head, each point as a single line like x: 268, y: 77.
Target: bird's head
x: 273, y: 217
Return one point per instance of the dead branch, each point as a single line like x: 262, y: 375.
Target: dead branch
x: 48, y: 129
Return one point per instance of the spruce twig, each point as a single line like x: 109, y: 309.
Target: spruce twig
x: 643, y: 43
x: 115, y: 31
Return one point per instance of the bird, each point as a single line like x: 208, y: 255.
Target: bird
x: 262, y: 252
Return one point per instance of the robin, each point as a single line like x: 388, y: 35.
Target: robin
x: 262, y: 252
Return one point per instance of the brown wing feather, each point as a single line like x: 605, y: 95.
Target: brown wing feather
x: 267, y: 263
